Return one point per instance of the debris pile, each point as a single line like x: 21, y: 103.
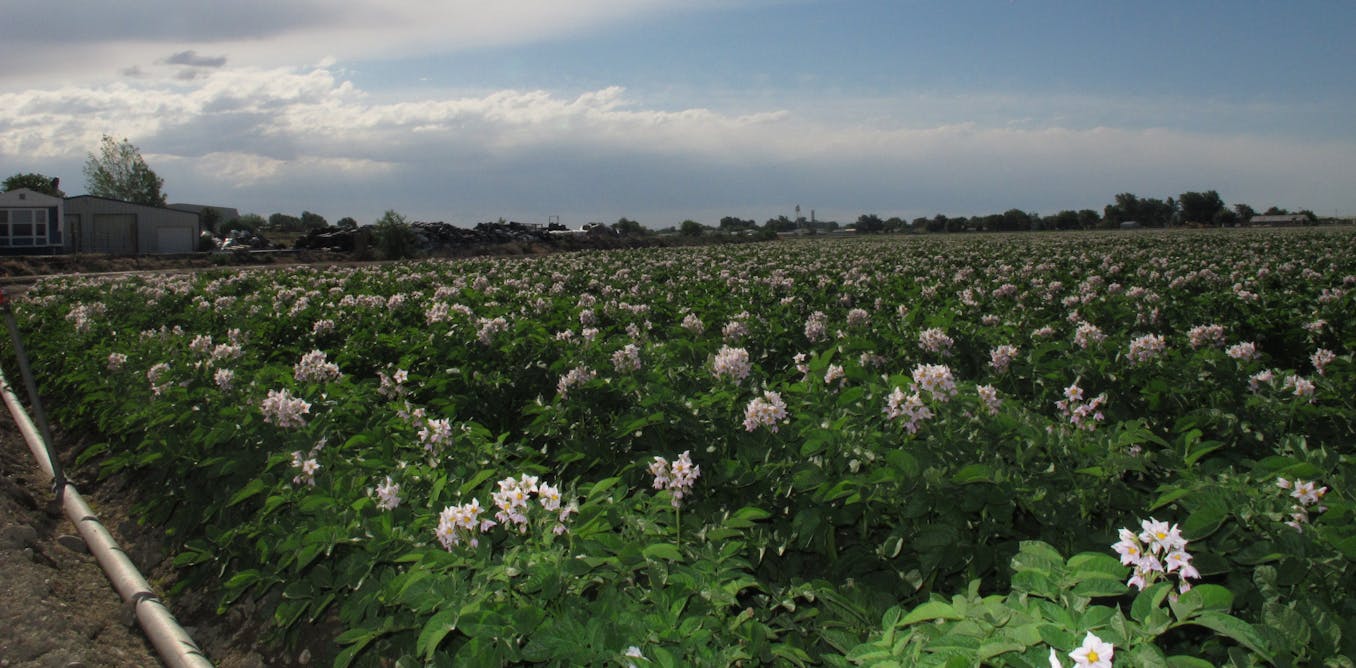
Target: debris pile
x: 438, y: 237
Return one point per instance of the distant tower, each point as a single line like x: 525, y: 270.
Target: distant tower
x: 812, y: 216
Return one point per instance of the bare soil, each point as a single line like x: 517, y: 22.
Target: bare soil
x: 59, y: 609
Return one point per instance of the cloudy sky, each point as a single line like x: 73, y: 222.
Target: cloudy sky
x: 662, y: 110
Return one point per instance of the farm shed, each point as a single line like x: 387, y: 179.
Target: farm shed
x: 30, y: 223
x: 102, y: 225
x: 218, y: 214
x: 1283, y: 219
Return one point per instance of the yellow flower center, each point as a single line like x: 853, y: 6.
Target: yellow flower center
x: 1092, y: 656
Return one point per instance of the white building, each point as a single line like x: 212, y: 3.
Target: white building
x: 31, y: 223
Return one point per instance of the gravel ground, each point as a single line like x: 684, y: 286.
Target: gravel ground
x: 58, y: 609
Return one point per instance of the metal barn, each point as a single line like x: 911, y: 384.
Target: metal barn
x: 102, y: 225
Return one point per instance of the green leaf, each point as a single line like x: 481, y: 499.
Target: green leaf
x: 972, y: 473
x: 598, y: 488
x: 345, y: 658
x: 1289, y: 626
x: 1200, y: 450
x: 989, y: 650
x: 1205, y: 519
x: 1095, y: 617
x: 815, y: 443
x: 471, y: 484
x: 244, y: 578
x: 1037, y: 555
x: 928, y: 612
x: 1183, y: 661
x: 1148, y: 600
x: 1100, y: 587
x: 1347, y: 546
x: 1035, y: 582
x: 1145, y: 656
x: 1209, y: 597
x: 250, y: 489
x: 1088, y: 565
x: 746, y: 517
x: 666, y: 551
x: 902, y: 462
x: 791, y: 654
x: 1258, y: 552
x: 1168, y: 497
x: 1234, y: 628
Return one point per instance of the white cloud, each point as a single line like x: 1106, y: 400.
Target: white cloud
x: 243, y: 170
x: 287, y: 139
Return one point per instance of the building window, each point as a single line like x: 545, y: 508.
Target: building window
x: 23, y: 227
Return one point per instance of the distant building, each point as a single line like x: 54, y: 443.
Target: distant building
x: 1130, y: 225
x: 1281, y: 220
x: 102, y: 225
x: 31, y: 223
x: 224, y: 214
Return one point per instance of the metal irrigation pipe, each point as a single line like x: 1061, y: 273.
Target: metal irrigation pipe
x: 173, y: 644
x: 54, y: 463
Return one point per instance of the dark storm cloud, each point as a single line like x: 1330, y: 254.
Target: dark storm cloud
x: 192, y: 59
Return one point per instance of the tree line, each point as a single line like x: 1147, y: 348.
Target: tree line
x: 118, y: 171
x: 1189, y: 209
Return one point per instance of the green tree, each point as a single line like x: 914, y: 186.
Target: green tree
x: 1064, y: 220
x: 284, y: 223
x: 347, y: 223
x: 1200, y: 208
x: 1245, y: 212
x: 394, y: 236
x: 1123, y: 210
x: 870, y: 223
x: 735, y: 224
x: 1156, y: 212
x: 210, y: 218
x: 691, y: 228
x: 35, y: 182
x: 250, y: 221
x: 1015, y: 220
x: 780, y: 224
x: 313, y: 221
x: 627, y: 227
x: 119, y: 172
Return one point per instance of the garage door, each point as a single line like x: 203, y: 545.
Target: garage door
x: 174, y: 239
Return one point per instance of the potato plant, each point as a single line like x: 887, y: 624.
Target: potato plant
x: 907, y: 451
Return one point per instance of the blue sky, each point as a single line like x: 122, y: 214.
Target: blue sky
x: 662, y: 110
